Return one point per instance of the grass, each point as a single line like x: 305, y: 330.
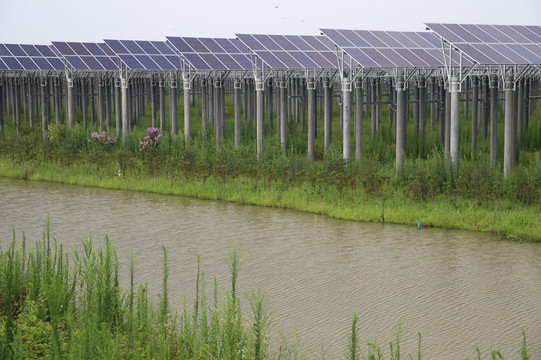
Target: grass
x: 474, y: 196
x: 57, y: 306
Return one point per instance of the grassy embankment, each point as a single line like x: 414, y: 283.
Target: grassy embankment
x: 55, y: 306
x: 474, y: 196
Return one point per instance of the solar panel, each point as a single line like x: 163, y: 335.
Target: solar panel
x: 144, y: 55
x: 29, y: 57
x: 285, y: 52
x: 212, y: 53
x: 493, y: 44
x: 387, y: 49
x: 85, y: 56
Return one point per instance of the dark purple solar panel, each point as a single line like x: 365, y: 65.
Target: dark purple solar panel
x: 12, y: 63
x: 267, y: 42
x: 31, y: 50
x: 378, y: 57
x: 527, y: 33
x: 337, y: 37
x: 525, y: 53
x: 370, y: 38
x: 445, y: 33
x: 287, y: 60
x: 320, y: 60
x: 239, y: 44
x: 403, y: 39
x: 196, y: 61
x: 107, y: 63
x: 299, y: 42
x: 412, y: 58
x: 76, y: 62
x: 174, y: 60
x: 196, y: 45
x: 304, y: 60
x: 354, y: 38
x: 395, y: 58
x: 495, y: 33
x: 250, y: 42
x: 213, y: 62
x: 229, y: 62
x: 315, y: 42
x: 27, y: 63
x: 4, y: 50
x: 387, y: 39
x: 432, y: 59
x: 3, y: 66
x: 534, y: 49
x: 227, y: 45
x: 94, y: 49
x: 477, y: 55
x: 148, y: 48
x: 162, y: 47
x: 42, y: 63
x: 491, y: 53
x: 179, y: 44
x: 361, y: 57
x: 283, y: 42
x: 117, y: 47
x: 79, y: 48
x: 243, y: 60
x: 212, y: 45
x: 132, y: 46
x: 147, y: 62
x: 418, y: 39
x: 431, y: 38
x: 509, y: 54
x: 92, y: 63
x: 515, y: 36
x: 56, y: 63
x: 16, y: 50
x: 463, y: 33
x: 63, y: 48
x: 44, y: 50
x: 106, y: 49
x: 162, y: 62
x: 271, y: 60
x: 131, y: 62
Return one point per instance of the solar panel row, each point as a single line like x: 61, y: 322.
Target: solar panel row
x: 17, y: 57
x: 212, y: 54
x: 145, y: 55
x: 494, y: 44
x: 86, y: 56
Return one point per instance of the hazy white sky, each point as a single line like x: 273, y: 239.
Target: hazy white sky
x: 43, y: 21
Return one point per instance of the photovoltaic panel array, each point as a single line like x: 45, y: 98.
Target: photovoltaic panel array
x: 389, y: 49
x: 212, y: 53
x: 86, y: 56
x: 494, y: 44
x: 145, y: 55
x: 292, y: 52
x: 17, y: 57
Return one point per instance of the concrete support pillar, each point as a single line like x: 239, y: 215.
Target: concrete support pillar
x: 373, y: 100
x: 173, y: 106
x: 153, y: 101
x: 118, y: 108
x: 91, y: 102
x: 57, y: 103
x: 494, y: 118
x: 70, y: 104
x: 204, y: 107
x: 358, y: 118
x: 390, y: 101
x: 107, y: 104
x: 486, y: 105
x: 17, y: 102
x: 421, y: 111
x: 520, y: 110
x: 161, y: 84
x: 100, y: 104
x: 346, y: 113
x: 260, y: 114
x: 454, y: 123
x: 433, y: 104
x: 474, y: 112
x: 466, y: 96
x: 283, y: 114
x: 509, y: 135
x: 125, y: 111
x: 447, y: 120
x: 311, y: 86
x: 301, y: 106
x: 237, y: 100
x: 401, y: 104
x: 527, y: 104
x: 415, y: 104
x: 84, y: 102
x: 44, y: 109
x: 441, y: 92
x: 187, y: 110
x: 270, y: 106
x: 216, y: 112
x: 378, y: 100
x: 327, y: 118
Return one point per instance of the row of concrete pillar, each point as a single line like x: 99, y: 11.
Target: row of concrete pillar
x: 130, y: 98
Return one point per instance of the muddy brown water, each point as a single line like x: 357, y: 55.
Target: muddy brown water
x: 458, y: 289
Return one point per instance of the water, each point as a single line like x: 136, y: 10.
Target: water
x: 458, y: 289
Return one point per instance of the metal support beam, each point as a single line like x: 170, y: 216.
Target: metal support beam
x: 118, y: 108
x: 161, y: 85
x: 401, y: 104
x: 44, y: 109
x: 236, y: 98
x: 70, y: 103
x: 283, y: 114
x: 373, y: 100
x: 125, y: 109
x: 494, y: 118
x: 474, y: 112
x: 346, y: 113
x: 204, y: 107
x: 421, y: 109
x: 260, y: 114
x: 509, y: 129
x: 311, y: 86
x: 327, y: 89
x: 187, y: 110
x: 358, y: 117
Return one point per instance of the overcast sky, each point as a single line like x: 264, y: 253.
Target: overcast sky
x: 43, y: 21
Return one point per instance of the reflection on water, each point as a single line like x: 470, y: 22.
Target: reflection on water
x: 458, y: 289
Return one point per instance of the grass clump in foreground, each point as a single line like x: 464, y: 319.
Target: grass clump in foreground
x: 473, y: 196
x: 57, y: 306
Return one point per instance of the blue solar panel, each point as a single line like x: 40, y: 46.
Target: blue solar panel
x: 79, y: 48
x: 147, y: 62
x: 116, y: 47
x: 63, y: 48
x: 16, y: 50
x: 251, y: 42
x: 3, y: 66
x: 92, y: 63
x: 107, y: 63
x: 30, y: 50
x: 163, y: 48
x: 283, y: 42
x: 163, y: 63
x: 228, y: 46
x: 132, y: 47
x: 4, y: 50
x: 12, y: 63
x: 181, y: 45
x: 43, y: 64
x: 196, y: 61
x: 76, y: 62
x: 229, y: 62
x: 196, y: 45
x: 304, y: 60
x: 45, y: 51
x: 131, y: 62
x: 27, y: 63
x: 94, y: 49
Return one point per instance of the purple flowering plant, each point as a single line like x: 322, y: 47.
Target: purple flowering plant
x: 152, y: 140
x: 102, y: 138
